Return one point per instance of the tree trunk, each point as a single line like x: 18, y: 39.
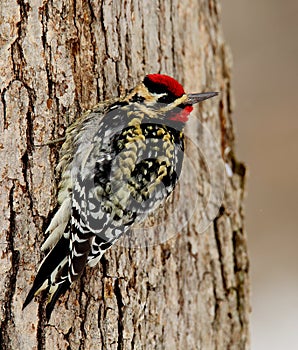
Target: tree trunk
x: 183, y: 282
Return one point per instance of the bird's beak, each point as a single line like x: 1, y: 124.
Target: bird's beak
x: 195, y: 98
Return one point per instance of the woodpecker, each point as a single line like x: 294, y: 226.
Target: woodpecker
x: 119, y: 162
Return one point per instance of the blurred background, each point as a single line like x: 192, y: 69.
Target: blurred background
x: 263, y: 37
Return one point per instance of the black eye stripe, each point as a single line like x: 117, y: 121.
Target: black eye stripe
x: 168, y: 98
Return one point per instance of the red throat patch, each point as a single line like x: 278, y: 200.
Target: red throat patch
x: 183, y: 115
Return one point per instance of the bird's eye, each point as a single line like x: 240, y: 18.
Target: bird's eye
x: 163, y: 99
x: 166, y: 98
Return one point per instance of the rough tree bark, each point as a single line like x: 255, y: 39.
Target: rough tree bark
x: 184, y: 289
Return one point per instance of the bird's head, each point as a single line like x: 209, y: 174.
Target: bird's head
x: 167, y: 97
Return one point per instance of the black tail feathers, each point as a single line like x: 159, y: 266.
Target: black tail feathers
x: 45, y: 277
x: 61, y: 289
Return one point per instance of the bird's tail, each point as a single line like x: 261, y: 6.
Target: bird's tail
x: 52, y: 275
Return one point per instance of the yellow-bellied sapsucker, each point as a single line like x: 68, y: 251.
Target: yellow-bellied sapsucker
x: 119, y: 162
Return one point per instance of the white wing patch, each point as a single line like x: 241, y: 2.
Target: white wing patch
x: 58, y: 225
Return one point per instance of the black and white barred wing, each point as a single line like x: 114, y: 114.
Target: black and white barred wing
x: 69, y: 228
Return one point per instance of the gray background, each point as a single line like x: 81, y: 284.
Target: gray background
x: 263, y: 37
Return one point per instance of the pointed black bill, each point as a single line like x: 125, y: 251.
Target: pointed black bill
x: 195, y: 98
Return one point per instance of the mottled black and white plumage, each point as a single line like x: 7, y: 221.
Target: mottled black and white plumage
x: 119, y: 162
